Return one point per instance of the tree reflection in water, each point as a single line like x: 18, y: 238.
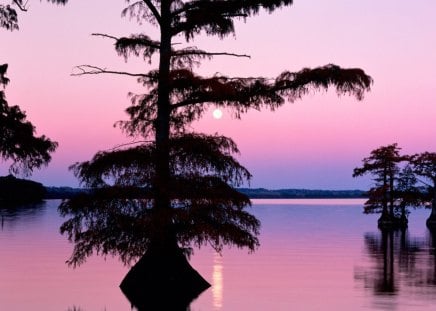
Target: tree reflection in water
x: 10, y: 214
x: 399, y: 265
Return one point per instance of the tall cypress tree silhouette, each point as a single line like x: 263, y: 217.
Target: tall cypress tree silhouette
x: 176, y: 189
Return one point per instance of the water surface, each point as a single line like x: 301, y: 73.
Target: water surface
x: 314, y: 255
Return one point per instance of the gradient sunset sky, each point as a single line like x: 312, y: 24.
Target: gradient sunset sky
x: 313, y: 143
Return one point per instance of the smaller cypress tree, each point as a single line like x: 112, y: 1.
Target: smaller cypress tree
x: 383, y: 164
x: 424, y: 165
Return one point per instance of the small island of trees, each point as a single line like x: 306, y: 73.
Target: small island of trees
x: 400, y: 182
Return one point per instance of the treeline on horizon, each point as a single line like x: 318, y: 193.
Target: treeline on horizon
x: 252, y: 193
x: 262, y: 193
x: 19, y: 191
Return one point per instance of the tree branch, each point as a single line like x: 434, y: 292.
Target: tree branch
x: 104, y: 35
x: 20, y: 5
x: 130, y: 143
x: 153, y: 10
x: 93, y: 70
x: 150, y: 44
x: 192, y: 101
x: 423, y: 182
x: 194, y: 52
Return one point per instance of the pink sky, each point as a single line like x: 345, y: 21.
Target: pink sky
x: 313, y: 143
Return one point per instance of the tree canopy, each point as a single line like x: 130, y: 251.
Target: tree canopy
x: 383, y: 164
x: 424, y: 166
x: 119, y: 214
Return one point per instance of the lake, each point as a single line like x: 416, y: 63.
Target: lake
x: 314, y: 255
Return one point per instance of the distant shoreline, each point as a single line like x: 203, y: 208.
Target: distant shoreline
x: 261, y: 193
x: 13, y: 189
x: 252, y: 193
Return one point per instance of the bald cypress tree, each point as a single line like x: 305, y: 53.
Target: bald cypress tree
x: 384, y: 165
x: 176, y: 190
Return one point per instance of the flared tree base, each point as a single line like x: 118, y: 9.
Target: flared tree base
x: 431, y: 221
x: 163, y: 280
x: 387, y: 222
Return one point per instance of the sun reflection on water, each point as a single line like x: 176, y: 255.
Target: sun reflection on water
x: 217, y: 278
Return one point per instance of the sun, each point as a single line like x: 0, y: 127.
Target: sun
x: 217, y: 114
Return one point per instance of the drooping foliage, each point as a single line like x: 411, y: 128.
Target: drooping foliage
x: 407, y: 192
x: 424, y: 165
x: 190, y: 18
x: 9, y: 15
x: 180, y: 184
x: 119, y: 216
x: 190, y: 94
x: 18, y: 141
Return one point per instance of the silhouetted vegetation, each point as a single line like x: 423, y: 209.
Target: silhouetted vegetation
x: 18, y: 142
x: 252, y: 193
x: 397, y: 185
x: 176, y: 190
x: 63, y: 192
x: 424, y: 166
x: 206, y: 209
x: 383, y: 164
x: 261, y: 193
x: 9, y: 12
x: 14, y: 191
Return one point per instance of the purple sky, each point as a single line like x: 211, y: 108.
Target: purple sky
x: 313, y: 143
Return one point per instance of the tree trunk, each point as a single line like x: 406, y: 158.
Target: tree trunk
x: 163, y: 279
x: 431, y: 221
x: 385, y: 213
x: 162, y: 122
x: 391, y: 194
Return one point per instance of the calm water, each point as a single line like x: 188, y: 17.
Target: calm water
x: 314, y: 255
